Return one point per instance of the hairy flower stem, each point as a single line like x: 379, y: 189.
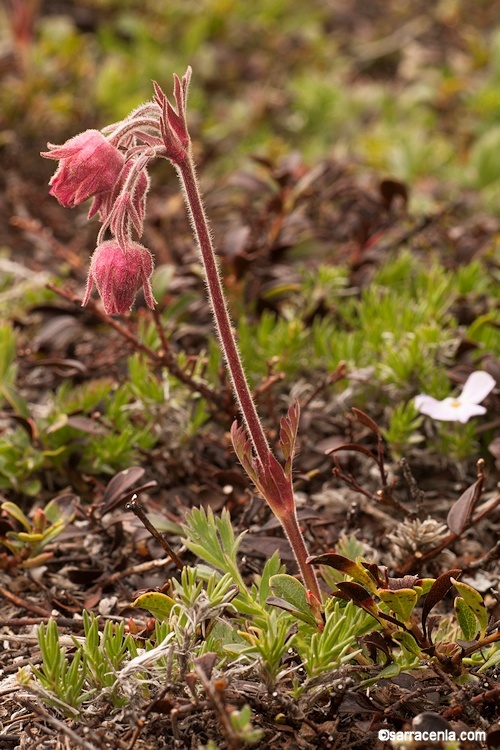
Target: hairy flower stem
x: 283, y: 507
x: 294, y: 535
x: 220, y: 312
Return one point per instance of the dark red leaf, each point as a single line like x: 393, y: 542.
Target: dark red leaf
x: 437, y: 591
x: 375, y: 642
x: 352, y: 447
x: 366, y: 420
x: 460, y: 512
x: 359, y: 596
x: 118, y: 486
x: 391, y: 189
x: 358, y: 703
x: 333, y: 560
x: 374, y: 571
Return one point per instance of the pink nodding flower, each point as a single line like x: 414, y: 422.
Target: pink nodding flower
x: 118, y: 274
x: 89, y: 165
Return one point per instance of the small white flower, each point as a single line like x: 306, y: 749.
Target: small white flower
x: 460, y: 408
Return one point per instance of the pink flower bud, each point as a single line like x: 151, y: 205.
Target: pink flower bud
x: 119, y: 274
x: 89, y: 165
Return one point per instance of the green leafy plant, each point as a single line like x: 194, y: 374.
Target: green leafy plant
x: 62, y: 679
x: 46, y: 524
x: 8, y: 371
x: 70, y: 682
x: 392, y: 603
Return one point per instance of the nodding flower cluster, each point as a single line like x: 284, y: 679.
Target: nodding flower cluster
x: 110, y: 166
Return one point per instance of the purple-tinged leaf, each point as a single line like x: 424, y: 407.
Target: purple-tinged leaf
x: 438, y: 590
x: 461, y: 511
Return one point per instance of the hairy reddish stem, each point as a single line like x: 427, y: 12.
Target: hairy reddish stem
x: 295, y: 537
x: 284, y: 510
x: 220, y: 311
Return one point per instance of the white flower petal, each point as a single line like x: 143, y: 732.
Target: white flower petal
x: 448, y: 410
x: 469, y: 410
x: 431, y: 407
x: 477, y: 387
x: 424, y: 402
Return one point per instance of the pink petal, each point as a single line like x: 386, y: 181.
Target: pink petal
x: 477, y: 387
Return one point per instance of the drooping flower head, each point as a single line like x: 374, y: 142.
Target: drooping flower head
x: 111, y: 166
x: 89, y: 166
x: 119, y: 274
x: 460, y: 408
